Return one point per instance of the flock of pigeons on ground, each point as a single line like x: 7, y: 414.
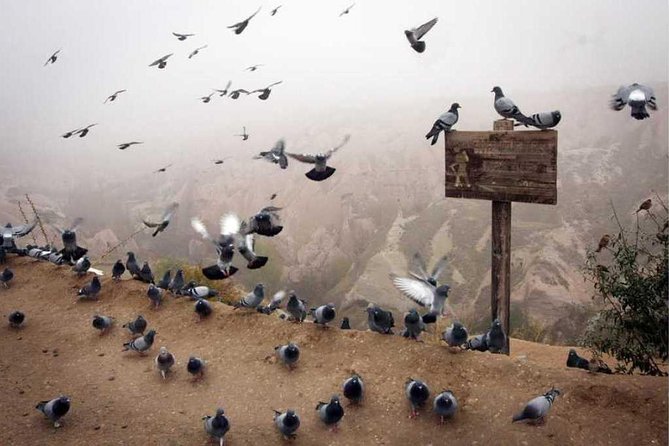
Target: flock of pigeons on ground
x: 237, y: 235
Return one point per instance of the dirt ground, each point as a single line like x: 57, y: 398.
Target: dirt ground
x: 120, y: 399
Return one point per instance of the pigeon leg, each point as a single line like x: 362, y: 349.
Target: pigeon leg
x: 335, y: 428
x: 441, y: 421
x: 56, y: 425
x: 413, y: 414
x: 162, y: 372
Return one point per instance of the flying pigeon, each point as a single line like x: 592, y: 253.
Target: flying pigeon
x: 132, y: 266
x: 347, y: 10
x: 164, y: 283
x: 70, y: 133
x: 274, y: 303
x: 345, y: 324
x: 496, y: 338
x: 266, y: 222
x: 253, y: 299
x: 198, y: 292
x: 477, y: 343
x: 330, y: 413
x: 137, y: 326
x: 91, y: 290
x: 276, y: 155
x: 275, y: 10
x: 71, y: 252
x: 224, y: 92
x: 55, y: 409
x: 202, y: 308
x: 253, y: 67
x: 102, y: 323
x: 323, y: 314
x: 217, y: 426
x: 155, y: 295
x: 196, y: 51
x: 414, y: 35
x: 637, y: 97
x: 84, y: 131
x: 379, y: 320
x: 234, y: 94
x: 321, y: 171
x: 141, y: 344
x: 506, y: 107
x: 164, y: 361
x: 422, y: 287
x: 244, y: 135
x: 125, y: 145
x: 445, y: 405
x: 413, y: 325
x: 112, y: 97
x: 117, y: 270
x: 225, y: 246
x: 206, y: 99
x: 177, y: 283
x: 289, y: 354
x: 354, y: 389
x: 239, y: 27
x: 182, y: 36
x: 417, y: 393
x: 455, y: 335
x: 162, y: 169
x: 145, y: 274
x: 52, y: 59
x: 296, y: 307
x: 443, y: 123
x: 164, y: 220
x: 537, y: 409
x: 6, y: 276
x: 195, y: 367
x: 265, y: 92
x: 162, y: 62
x: 9, y: 233
x: 246, y: 246
x: 544, y: 120
x: 16, y: 318
x: 81, y: 266
x: 287, y: 423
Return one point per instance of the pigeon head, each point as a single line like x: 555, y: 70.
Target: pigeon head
x: 263, y: 216
x: 329, y: 312
x: 61, y: 406
x: 557, y: 116
x: 193, y: 364
x: 412, y: 317
x: 220, y: 412
x: 130, y: 254
x: 444, y: 401
x: 96, y: 282
x: 291, y: 418
x: 431, y: 281
x: 98, y: 322
x: 335, y: 400
x: 163, y: 351
x: 459, y: 330
x: 496, y: 323
x: 443, y: 290
x: 16, y: 318
x: 455, y: 106
x: 292, y: 351
x: 497, y: 91
x: 572, y: 353
x: 150, y: 335
x: 69, y: 236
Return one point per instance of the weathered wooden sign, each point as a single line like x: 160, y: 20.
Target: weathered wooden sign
x: 502, y: 166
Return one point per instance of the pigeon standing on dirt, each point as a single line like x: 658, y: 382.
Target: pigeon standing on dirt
x: 182, y: 36
x: 575, y: 361
x: 91, y: 290
x: 417, y: 393
x: 289, y: 354
x: 506, y: 107
x: 266, y: 222
x: 414, y: 35
x: 142, y: 343
x: 354, y: 389
x: 81, y: 266
x: 195, y: 367
x: 296, y: 307
x: 321, y: 171
x: 253, y: 299
x: 443, y: 123
x: 287, y: 423
x: 71, y: 252
x: 6, y: 276
x: 477, y: 343
x: 16, y: 318
x: 323, y: 314
x: 330, y: 413
x: 217, y: 426
x: 177, y: 283
x: 132, y: 266
x: 345, y: 324
x: 155, y: 295
x: 455, y: 335
x: 164, y: 220
x: 413, y: 325
x: 239, y: 27
x: 117, y: 270
x: 164, y: 361
x: 54, y: 409
x: 496, y: 338
x: 145, y: 274
x: 164, y: 283
x: 422, y: 287
x: 379, y: 320
x: 276, y: 155
x: 637, y: 97
x: 137, y: 326
x: 102, y: 323
x: 202, y: 308
x: 537, y: 409
x: 445, y: 405
x: 198, y: 292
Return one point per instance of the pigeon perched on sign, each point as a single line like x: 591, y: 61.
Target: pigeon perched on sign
x: 266, y: 222
x: 414, y: 35
x: 354, y: 389
x: 91, y: 290
x: 445, y: 405
x: 331, y: 413
x: 217, y: 426
x: 81, y: 266
x: 422, y: 287
x: 537, y: 409
x: 296, y: 307
x: 265, y: 92
x: 52, y: 59
x: 117, y: 270
x: 164, y: 361
x: 6, y: 276
x: 413, y: 325
x: 196, y: 51
x: 239, y: 27
x: 496, y: 338
x: 16, y: 318
x: 196, y: 366
x: 287, y: 422
x: 288, y: 354
x: 253, y: 299
x: 417, y: 393
x: 506, y: 107
x: 321, y: 171
x: 54, y: 409
x: 443, y: 123
x: 112, y: 97
x: 544, y: 120
x: 162, y: 62
x: 225, y: 246
x: 141, y: 344
x: 164, y: 220
x: 379, y: 320
x: 71, y: 251
x: 137, y: 326
x: 455, y: 335
x: 276, y: 155
x: 182, y: 37
x: 102, y: 323
x: 637, y: 97
x: 323, y: 314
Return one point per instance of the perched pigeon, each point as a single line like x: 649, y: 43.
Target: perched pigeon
x: 544, y: 120
x: 637, y: 97
x: 287, y: 423
x: 265, y: 92
x: 413, y: 325
x: 379, y: 320
x: 417, y: 393
x: 198, y: 292
x: 164, y: 220
x: 225, y: 246
x: 414, y: 35
x: 345, y: 324
x: 275, y: 10
x: 239, y: 27
x: 182, y: 36
x: 196, y: 51
x: 445, y: 405
x: 141, y: 344
x: 506, y: 107
x: 347, y: 10
x: 244, y: 135
x: 276, y: 155
x: 132, y: 266
x: 443, y: 123
x: 125, y: 145
x: 645, y: 206
x: 196, y: 367
x: 224, y: 92
x: 164, y: 283
x: 289, y: 354
x: 155, y: 295
x: 6, y: 276
x: 323, y: 314
x: 354, y: 389
x: 477, y: 343
x: 217, y: 426
x: 162, y: 62
x: 54, y: 409
x: 455, y: 335
x: 321, y: 171
x: 296, y: 307
x: 112, y: 97
x: 52, y: 59
x: 137, y: 326
x: 202, y: 308
x: 274, y: 303
x: 537, y: 409
x: 55, y: 257
x: 604, y: 242
x: 16, y: 318
x: 330, y: 413
x: 496, y: 338
x: 117, y: 270
x: 575, y: 361
x: 253, y: 299
x: 91, y: 290
x: 71, y: 252
x: 164, y: 361
x: 422, y: 287
x: 81, y: 266
x: 266, y: 222
x: 145, y: 274
x: 102, y: 323
x: 176, y: 285
x: 234, y: 94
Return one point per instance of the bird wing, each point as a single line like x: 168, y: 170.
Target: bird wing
x: 439, y: 268
x: 169, y: 212
x: 620, y: 98
x: 417, y: 267
x: 177, y: 34
x: 21, y: 230
x: 329, y: 153
x: 253, y: 15
x: 270, y: 209
x: 277, y: 298
x: 650, y: 96
x: 200, y: 228
x: 449, y: 118
x: 230, y: 224
x: 424, y: 28
x: 416, y: 290
x: 305, y: 158
x: 150, y: 224
x: 271, y: 85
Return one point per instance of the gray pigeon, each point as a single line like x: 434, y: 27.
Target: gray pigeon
x: 198, y: 292
x: 224, y: 92
x: 137, y: 326
x: 345, y: 324
x: 321, y: 171
x: 196, y: 366
x: 443, y: 123
x: 54, y: 409
x: 296, y: 307
x: 225, y: 246
x: 196, y: 51
x: 275, y: 10
x: 276, y: 155
x: 217, y: 426
x: 266, y: 222
x: 112, y: 97
x: 164, y: 283
x: 417, y: 393
x: 455, y: 335
x: 81, y: 266
x: 506, y: 107
x: 323, y: 314
x: 445, y: 405
x: 422, y: 287
x: 141, y: 344
x: 177, y: 283
x: 202, y: 309
x: 414, y: 35
x: 162, y: 62
x: 637, y: 97
x: 287, y: 423
x: 234, y: 94
x: 117, y: 270
x: 132, y: 266
x: 496, y: 338
x: 9, y: 233
x: 265, y: 92
x: 289, y: 354
x: 245, y: 245
x: 347, y: 10
x: 16, y: 318
x: 253, y: 299
x: 6, y: 276
x: 413, y: 325
x: 354, y: 389
x: 71, y: 252
x: 164, y: 361
x: 145, y: 274
x: 164, y: 220
x: 330, y: 413
x: 155, y: 295
x: 239, y: 27
x: 536, y: 410
x: 379, y: 320
x: 102, y: 323
x: 91, y: 290
x: 182, y: 36
x: 274, y: 303
x: 544, y: 120
x: 52, y: 59
x: 477, y: 343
